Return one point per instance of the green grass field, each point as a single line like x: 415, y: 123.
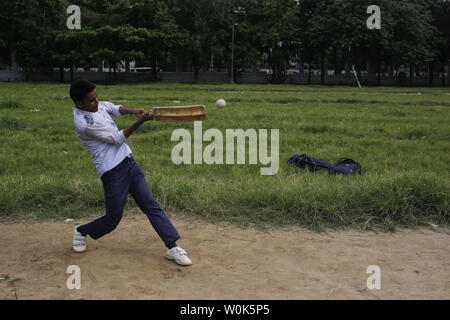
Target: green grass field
x: 401, y: 139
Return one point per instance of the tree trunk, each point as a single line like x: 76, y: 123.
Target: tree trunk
x: 448, y: 68
x: 14, y: 66
x: 443, y: 73
x: 71, y: 72
x: 370, y: 73
x: 431, y: 73
x: 324, y: 71
x: 127, y: 66
x: 274, y: 73
x: 411, y: 70
x: 61, y: 73
x: 309, y: 72
x: 347, y: 68
x: 300, y: 67
x: 178, y: 64
x: 196, y: 70
x: 337, y: 62
x: 378, y: 71
x: 154, y: 69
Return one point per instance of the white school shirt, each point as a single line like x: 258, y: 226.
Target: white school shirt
x: 101, y: 137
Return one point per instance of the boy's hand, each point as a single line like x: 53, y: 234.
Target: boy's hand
x: 139, y: 112
x: 146, y: 115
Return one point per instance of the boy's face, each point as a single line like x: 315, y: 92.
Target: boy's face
x: 90, y: 102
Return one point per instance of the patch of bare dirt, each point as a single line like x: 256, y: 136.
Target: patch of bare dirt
x: 228, y: 263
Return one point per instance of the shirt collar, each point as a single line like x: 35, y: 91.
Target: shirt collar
x: 82, y: 111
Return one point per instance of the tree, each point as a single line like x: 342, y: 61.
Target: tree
x: 205, y: 26
x: 359, y: 45
x: 162, y: 31
x: 115, y: 44
x: 279, y: 34
x: 412, y: 29
x: 67, y: 50
x: 413, y: 33
x: 440, y: 41
x: 309, y: 48
x: 238, y: 37
x: 27, y: 30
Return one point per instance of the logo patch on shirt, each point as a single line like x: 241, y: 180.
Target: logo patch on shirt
x: 89, y: 119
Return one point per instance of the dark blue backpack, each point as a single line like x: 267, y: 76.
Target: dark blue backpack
x: 312, y: 164
x: 345, y: 166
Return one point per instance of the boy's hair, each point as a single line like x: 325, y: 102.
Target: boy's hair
x: 79, y: 89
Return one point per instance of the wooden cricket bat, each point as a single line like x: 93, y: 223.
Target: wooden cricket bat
x: 180, y: 113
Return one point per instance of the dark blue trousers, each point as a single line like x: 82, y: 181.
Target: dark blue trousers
x: 127, y: 177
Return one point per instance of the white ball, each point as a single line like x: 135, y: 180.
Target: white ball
x: 220, y: 103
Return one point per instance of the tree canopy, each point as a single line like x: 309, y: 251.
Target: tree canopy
x: 186, y: 35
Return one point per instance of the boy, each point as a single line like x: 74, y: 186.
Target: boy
x: 117, y: 169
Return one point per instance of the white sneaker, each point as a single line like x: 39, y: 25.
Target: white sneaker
x: 179, y: 255
x: 79, y: 241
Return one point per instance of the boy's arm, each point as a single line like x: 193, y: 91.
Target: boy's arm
x: 137, y: 112
x: 143, y: 116
x: 112, y: 135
